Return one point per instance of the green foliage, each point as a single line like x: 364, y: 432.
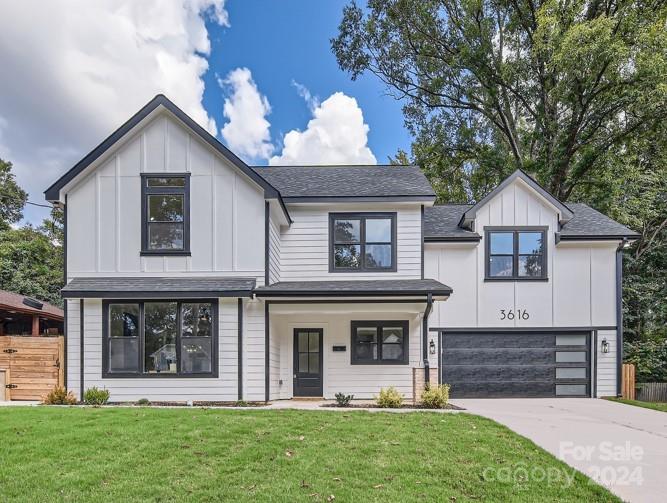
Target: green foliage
x: 650, y: 359
x: 389, y: 398
x: 59, y: 396
x: 343, y: 400
x: 12, y: 197
x: 240, y: 403
x: 95, y: 396
x: 436, y: 397
x: 143, y: 401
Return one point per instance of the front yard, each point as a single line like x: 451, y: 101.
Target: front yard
x: 647, y: 405
x: 150, y: 454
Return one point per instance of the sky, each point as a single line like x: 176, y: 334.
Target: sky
x: 257, y: 74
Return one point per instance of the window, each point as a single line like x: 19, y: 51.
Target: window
x: 165, y: 214
x: 362, y: 242
x: 516, y: 254
x: 160, y: 338
x: 380, y: 342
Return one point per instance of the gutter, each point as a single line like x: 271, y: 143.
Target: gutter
x: 427, y: 312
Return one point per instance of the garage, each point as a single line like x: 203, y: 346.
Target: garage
x: 531, y: 364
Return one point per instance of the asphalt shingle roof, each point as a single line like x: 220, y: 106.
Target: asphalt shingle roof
x: 590, y: 222
x: 158, y: 287
x: 382, y: 287
x: 347, y: 181
x: 442, y: 222
x: 11, y: 300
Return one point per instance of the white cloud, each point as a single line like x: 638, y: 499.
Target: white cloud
x: 76, y: 70
x: 247, y: 132
x: 336, y: 134
x: 312, y: 101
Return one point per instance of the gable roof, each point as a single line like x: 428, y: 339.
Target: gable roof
x: 564, y: 211
x: 52, y: 194
x: 441, y: 224
x: 339, y: 183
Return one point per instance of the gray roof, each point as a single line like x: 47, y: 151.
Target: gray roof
x: 441, y: 223
x: 155, y: 287
x: 302, y: 183
x: 588, y: 222
x: 355, y: 288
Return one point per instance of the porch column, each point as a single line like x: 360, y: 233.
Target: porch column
x: 35, y: 324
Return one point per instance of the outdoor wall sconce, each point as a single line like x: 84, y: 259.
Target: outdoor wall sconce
x: 431, y: 347
x: 605, y: 346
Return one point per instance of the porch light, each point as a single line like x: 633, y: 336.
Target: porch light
x: 605, y: 346
x: 431, y: 347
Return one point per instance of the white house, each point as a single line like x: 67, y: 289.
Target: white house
x: 193, y: 276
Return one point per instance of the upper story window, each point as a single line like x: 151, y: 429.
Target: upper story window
x: 518, y: 253
x: 362, y: 242
x: 165, y: 214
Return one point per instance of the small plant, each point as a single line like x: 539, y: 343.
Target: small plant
x: 343, y: 400
x: 59, y: 396
x: 143, y: 401
x: 389, y: 398
x: 240, y: 403
x: 95, y: 396
x: 436, y: 397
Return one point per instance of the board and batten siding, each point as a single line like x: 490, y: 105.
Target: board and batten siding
x: 304, y: 246
x: 104, y: 209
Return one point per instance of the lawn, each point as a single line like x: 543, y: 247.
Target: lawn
x: 151, y: 454
x: 647, y: 405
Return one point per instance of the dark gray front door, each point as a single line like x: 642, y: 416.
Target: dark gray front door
x: 516, y: 364
x: 307, y: 362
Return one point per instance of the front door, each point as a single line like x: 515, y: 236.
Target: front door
x: 307, y: 362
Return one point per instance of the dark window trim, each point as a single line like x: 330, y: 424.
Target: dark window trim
x: 362, y: 243
x: 515, y: 230
x: 379, y: 324
x: 140, y: 375
x: 145, y: 192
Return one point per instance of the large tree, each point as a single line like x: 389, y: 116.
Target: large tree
x: 12, y: 197
x: 550, y: 86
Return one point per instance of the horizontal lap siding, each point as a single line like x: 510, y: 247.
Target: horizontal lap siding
x: 72, y: 342
x: 304, y: 248
x: 606, y: 362
x: 253, y: 354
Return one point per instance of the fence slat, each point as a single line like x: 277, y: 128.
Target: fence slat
x: 628, y: 381
x: 652, y: 392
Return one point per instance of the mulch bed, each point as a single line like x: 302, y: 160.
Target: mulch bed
x: 449, y: 406
x: 193, y: 404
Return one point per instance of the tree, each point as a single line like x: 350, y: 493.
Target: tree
x: 489, y: 86
x: 12, y: 197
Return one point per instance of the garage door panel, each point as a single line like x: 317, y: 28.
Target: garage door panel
x: 500, y: 340
x: 498, y: 356
x: 504, y: 373
x: 501, y: 390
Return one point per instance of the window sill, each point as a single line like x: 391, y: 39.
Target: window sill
x: 125, y: 375
x: 378, y: 270
x: 165, y: 253
x: 542, y: 280
x: 380, y: 363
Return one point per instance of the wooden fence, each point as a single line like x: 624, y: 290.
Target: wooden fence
x: 628, y: 381
x: 35, y: 365
x: 652, y: 392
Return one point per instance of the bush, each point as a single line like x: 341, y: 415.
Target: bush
x: 59, y: 396
x: 389, y: 398
x: 343, y: 400
x: 95, y: 396
x: 649, y: 357
x: 143, y: 401
x: 436, y: 397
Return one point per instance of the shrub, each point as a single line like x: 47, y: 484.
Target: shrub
x: 649, y: 357
x: 143, y: 401
x: 95, y: 396
x: 389, y: 398
x: 240, y: 403
x: 59, y: 396
x: 343, y: 400
x: 436, y: 397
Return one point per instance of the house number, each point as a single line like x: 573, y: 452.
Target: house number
x: 509, y: 314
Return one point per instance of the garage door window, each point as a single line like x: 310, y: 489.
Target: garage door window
x: 516, y: 253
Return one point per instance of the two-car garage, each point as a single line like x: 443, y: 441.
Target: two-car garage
x: 513, y: 363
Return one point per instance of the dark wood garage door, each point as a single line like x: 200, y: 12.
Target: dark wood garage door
x: 516, y: 364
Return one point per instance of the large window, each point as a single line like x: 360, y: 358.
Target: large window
x: 516, y: 253
x: 379, y: 342
x: 160, y: 338
x: 165, y: 214
x: 362, y: 242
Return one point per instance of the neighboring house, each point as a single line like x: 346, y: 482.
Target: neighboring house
x: 192, y: 276
x: 21, y: 315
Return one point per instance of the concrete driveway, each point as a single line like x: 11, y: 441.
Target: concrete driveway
x: 619, y: 446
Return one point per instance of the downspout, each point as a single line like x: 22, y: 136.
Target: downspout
x: 619, y: 315
x: 427, y: 312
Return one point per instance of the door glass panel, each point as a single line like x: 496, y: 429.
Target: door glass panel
x: 570, y: 389
x: 314, y: 363
x: 571, y: 340
x: 314, y: 342
x: 303, y: 363
x: 571, y: 373
x: 502, y: 243
x: 570, y: 356
x: 378, y: 230
x: 303, y: 342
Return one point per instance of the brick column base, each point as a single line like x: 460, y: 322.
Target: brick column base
x: 418, y: 382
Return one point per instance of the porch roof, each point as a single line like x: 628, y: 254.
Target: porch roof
x: 158, y: 287
x: 356, y: 288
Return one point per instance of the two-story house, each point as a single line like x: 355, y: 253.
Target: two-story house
x: 191, y: 276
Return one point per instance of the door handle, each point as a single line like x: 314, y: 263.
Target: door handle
x: 294, y: 376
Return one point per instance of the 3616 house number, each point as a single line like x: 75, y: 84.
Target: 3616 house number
x: 510, y: 314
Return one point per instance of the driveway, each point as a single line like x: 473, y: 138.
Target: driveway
x: 619, y: 446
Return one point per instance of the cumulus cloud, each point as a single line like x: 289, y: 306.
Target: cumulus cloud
x: 336, y: 134
x: 77, y: 69
x: 247, y: 130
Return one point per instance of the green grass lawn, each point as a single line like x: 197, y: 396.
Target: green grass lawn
x: 150, y: 454
x: 647, y: 405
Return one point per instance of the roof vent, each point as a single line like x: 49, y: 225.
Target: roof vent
x: 32, y: 303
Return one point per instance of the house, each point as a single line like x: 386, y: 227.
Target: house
x: 193, y: 276
x: 22, y: 315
